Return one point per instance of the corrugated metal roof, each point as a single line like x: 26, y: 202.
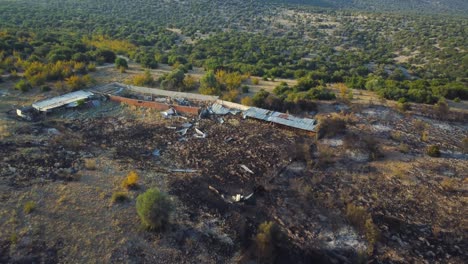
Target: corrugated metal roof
x: 280, y: 118
x: 221, y: 110
x: 61, y: 100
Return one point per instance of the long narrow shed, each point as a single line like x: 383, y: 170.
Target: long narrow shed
x: 59, y: 101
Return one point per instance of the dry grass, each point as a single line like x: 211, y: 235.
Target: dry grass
x: 90, y: 164
x: 119, y: 197
x: 29, y: 207
x: 330, y: 126
x: 404, y: 148
x: 325, y: 155
x: 265, y: 241
x: 4, y: 132
x: 465, y: 145
x: 362, y: 220
x: 449, y: 184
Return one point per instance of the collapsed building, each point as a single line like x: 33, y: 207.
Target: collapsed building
x: 173, y: 103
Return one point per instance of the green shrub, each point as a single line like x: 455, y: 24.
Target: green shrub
x: 433, y: 151
x: 154, y: 209
x: 45, y: 88
x: 92, y: 67
x: 23, y: 85
x: 457, y: 100
x: 29, y: 207
x: 209, y: 90
x: 121, y: 63
x: 402, y: 105
x: 245, y: 89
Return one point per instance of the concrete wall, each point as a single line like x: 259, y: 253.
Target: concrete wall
x: 155, y: 105
x: 172, y: 94
x: 232, y: 105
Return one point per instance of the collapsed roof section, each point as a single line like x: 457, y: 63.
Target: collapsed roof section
x: 61, y: 100
x: 219, y: 109
x: 281, y: 118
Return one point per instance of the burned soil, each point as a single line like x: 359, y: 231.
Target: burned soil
x: 366, y: 192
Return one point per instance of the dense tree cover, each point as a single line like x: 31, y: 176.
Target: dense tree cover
x: 293, y: 104
x: 48, y: 57
x: 427, y: 6
x: 419, y: 58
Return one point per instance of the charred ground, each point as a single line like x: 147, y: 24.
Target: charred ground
x: 367, y: 190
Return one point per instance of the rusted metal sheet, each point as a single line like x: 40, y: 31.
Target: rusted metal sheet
x: 281, y: 118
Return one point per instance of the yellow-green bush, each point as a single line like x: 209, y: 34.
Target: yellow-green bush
x: 29, y: 206
x: 265, y: 241
x: 130, y: 181
x: 154, y: 209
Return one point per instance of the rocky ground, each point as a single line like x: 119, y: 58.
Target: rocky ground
x: 366, y: 191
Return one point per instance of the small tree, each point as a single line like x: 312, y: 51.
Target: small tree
x: 121, y: 63
x: 190, y: 83
x: 154, y: 209
x: 442, y: 108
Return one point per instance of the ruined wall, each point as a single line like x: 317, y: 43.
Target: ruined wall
x: 187, y: 109
x: 172, y: 94
x: 233, y: 105
x: 155, y: 105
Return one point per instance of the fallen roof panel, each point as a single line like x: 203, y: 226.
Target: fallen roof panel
x: 281, y: 118
x: 221, y: 110
x: 61, y: 100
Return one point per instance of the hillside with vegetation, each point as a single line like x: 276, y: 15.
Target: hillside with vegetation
x: 458, y: 7
x: 399, y: 56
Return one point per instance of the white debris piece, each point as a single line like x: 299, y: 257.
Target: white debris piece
x: 236, y: 198
x: 247, y: 169
x: 169, y: 112
x: 199, y: 133
x: 183, y: 170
